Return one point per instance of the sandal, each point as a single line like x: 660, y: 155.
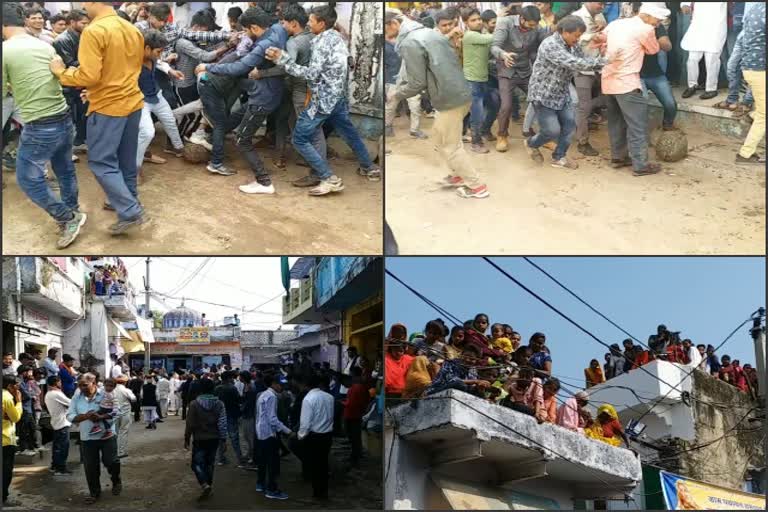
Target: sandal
x: 724, y: 105
x: 90, y: 500
x: 741, y: 110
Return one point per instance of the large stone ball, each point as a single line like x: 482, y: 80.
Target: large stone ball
x: 671, y: 146
x: 195, y: 154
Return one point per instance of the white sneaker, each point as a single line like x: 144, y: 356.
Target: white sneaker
x: 199, y: 139
x: 257, y: 188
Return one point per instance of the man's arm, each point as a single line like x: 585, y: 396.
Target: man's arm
x: 577, y: 62
x: 242, y: 67
x: 305, y: 419
x: 188, y: 48
x: 72, y: 415
x: 415, y: 64
x: 91, y: 63
x: 499, y: 38
x: 274, y: 421
x: 476, y: 38
x: 62, y: 399
x: 12, y: 410
x: 6, y: 79
x: 649, y: 43
x: 293, y: 51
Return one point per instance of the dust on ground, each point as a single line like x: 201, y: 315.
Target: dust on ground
x: 702, y: 205
x: 156, y: 475
x: 196, y: 212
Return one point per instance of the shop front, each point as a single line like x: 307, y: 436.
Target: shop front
x: 187, y: 357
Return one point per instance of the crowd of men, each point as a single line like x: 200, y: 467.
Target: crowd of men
x: 263, y: 415
x: 100, y: 85
x: 491, y: 362
x: 669, y: 346
x: 579, y: 65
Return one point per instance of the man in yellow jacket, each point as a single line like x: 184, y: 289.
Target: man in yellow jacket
x: 11, y: 415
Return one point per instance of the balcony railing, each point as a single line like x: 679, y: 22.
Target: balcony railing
x: 299, y: 301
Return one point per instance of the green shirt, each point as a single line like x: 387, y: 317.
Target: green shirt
x: 477, y: 51
x: 26, y: 69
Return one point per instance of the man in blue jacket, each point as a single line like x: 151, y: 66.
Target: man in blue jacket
x: 264, y: 96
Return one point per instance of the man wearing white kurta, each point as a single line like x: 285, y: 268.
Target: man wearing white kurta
x: 125, y: 398
x: 705, y: 38
x: 163, y: 393
x: 174, y: 401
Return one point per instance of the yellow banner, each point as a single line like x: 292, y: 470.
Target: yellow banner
x: 193, y: 336
x: 681, y: 493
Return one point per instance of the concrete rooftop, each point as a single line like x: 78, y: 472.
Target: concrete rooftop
x: 459, y: 430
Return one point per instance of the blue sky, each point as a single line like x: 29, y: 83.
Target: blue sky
x: 704, y: 297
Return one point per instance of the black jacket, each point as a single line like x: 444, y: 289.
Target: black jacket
x: 67, y: 45
x: 149, y: 395
x: 228, y: 394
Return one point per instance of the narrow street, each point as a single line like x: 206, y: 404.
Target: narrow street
x: 156, y: 475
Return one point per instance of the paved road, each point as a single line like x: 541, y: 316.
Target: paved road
x: 157, y: 476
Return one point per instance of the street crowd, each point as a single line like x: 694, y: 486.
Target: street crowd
x: 100, y: 85
x: 580, y: 65
x: 260, y: 415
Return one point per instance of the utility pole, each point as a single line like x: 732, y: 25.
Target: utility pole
x: 758, y: 336
x: 148, y: 314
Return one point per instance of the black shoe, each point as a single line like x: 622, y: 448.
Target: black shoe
x: 159, y: 421
x: 708, y: 95
x: 124, y: 225
x: 689, y: 92
x: 586, y: 149
x: 117, y: 489
x: 753, y: 160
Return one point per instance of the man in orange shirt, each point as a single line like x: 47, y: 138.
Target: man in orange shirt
x: 111, y: 55
x: 629, y: 40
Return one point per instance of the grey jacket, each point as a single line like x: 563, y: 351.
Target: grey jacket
x: 508, y: 38
x: 300, y: 48
x: 430, y: 64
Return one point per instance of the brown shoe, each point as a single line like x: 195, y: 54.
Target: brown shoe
x: 648, y: 170
x: 502, y: 143
x: 154, y: 159
x: 619, y: 164
x: 306, y: 182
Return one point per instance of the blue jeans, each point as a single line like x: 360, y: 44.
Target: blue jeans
x: 40, y: 143
x: 112, y: 146
x: 233, y: 431
x: 477, y: 111
x: 304, y: 134
x: 492, y: 105
x: 215, y: 106
x: 736, y: 77
x: 203, y: 460
x: 60, y: 450
x: 559, y: 125
x: 663, y: 92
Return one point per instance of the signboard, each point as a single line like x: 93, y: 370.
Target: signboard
x: 193, y: 336
x: 472, y: 496
x: 230, y: 348
x: 681, y: 493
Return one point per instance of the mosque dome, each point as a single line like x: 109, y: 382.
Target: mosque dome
x: 182, y: 317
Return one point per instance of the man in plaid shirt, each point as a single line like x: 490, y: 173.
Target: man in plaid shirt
x: 559, y: 58
x: 159, y: 14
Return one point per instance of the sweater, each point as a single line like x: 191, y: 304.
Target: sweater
x: 206, y: 419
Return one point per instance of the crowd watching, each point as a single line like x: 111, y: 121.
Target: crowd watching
x: 669, y: 346
x: 490, y: 361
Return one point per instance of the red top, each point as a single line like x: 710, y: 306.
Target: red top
x: 675, y: 354
x: 394, y: 373
x: 357, y: 402
x: 640, y: 359
x: 612, y: 428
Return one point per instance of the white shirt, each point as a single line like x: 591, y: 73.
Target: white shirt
x: 239, y: 386
x: 175, y: 385
x: 117, y: 371
x: 316, y: 413
x: 709, y: 27
x: 163, y: 388
x: 355, y: 361
x: 58, y: 405
x: 695, y: 357
x: 124, y: 397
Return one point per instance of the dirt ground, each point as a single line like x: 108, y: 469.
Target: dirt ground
x: 156, y: 476
x: 196, y: 212
x: 702, y: 205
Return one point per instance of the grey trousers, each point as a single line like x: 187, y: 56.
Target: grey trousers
x: 585, y: 85
x: 628, y: 127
